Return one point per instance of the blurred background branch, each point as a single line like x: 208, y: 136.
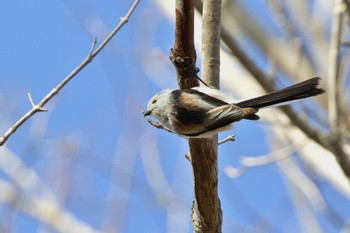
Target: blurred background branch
x: 95, y: 158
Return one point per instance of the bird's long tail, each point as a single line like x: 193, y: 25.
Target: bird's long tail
x: 297, y: 91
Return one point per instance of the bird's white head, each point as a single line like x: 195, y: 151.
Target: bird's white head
x: 157, y: 104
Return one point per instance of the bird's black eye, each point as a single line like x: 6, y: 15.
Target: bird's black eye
x: 154, y: 101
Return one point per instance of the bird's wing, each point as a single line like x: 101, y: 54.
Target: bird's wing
x: 198, y: 113
x: 225, y: 111
x: 221, y: 116
x: 216, y: 94
x: 218, y: 119
x: 207, y: 98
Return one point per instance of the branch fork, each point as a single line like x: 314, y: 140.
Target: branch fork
x: 35, y: 107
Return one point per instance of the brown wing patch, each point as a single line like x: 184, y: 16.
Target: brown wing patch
x: 185, y: 129
x: 188, y: 100
x: 204, y: 97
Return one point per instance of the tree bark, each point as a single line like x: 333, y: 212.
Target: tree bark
x: 206, y: 210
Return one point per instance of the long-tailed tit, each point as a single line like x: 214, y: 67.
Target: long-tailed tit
x: 203, y: 111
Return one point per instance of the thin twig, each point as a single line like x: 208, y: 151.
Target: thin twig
x: 92, y: 53
x: 123, y: 20
x: 230, y: 138
x: 31, y: 99
x: 40, y: 109
x: 263, y: 160
x: 93, y: 46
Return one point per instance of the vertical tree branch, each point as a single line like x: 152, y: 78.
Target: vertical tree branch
x: 211, y: 42
x: 183, y: 54
x: 333, y: 89
x: 206, y: 211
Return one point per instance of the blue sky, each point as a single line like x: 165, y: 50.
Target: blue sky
x: 92, y: 147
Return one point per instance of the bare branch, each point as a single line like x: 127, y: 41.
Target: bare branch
x: 183, y: 54
x: 55, y: 90
x: 31, y: 99
x: 263, y: 160
x: 230, y: 138
x: 123, y: 20
x: 34, y: 106
x: 339, y: 9
x: 206, y: 209
x: 93, y: 46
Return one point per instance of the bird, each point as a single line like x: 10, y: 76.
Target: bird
x: 201, y: 112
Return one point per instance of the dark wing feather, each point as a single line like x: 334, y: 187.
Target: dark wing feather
x: 189, y: 105
x: 223, y: 116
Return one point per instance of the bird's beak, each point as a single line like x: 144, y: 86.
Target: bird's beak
x: 147, y: 113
